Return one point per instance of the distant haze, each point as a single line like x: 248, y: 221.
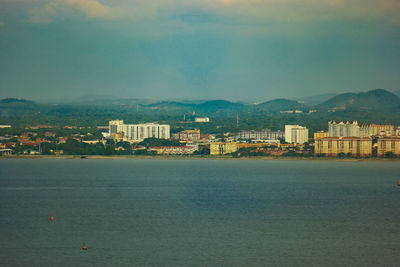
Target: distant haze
x: 241, y: 50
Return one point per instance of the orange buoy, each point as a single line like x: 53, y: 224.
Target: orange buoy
x: 52, y: 218
x: 84, y: 247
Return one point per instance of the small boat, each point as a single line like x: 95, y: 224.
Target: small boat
x: 84, y: 247
x: 398, y: 183
x: 83, y: 157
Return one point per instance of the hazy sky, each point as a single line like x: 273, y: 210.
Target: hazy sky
x: 217, y: 49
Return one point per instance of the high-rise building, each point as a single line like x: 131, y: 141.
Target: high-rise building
x: 333, y: 146
x: 138, y: 132
x: 388, y: 145
x: 220, y: 148
x: 265, y: 134
x: 296, y: 134
x: 357, y: 129
x: 344, y: 128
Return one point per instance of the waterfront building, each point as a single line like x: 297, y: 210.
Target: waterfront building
x: 296, y: 134
x: 221, y: 148
x: 333, y: 146
x: 176, y: 150
x: 5, y: 151
x: 138, y: 132
x: 259, y: 145
x: 188, y: 135
x: 388, y: 145
x: 202, y: 119
x: 320, y: 134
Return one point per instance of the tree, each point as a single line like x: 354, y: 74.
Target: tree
x: 389, y: 155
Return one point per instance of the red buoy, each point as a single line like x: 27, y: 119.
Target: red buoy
x: 52, y: 218
x: 84, y: 247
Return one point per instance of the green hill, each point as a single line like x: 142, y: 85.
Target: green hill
x: 280, y: 104
x: 371, y: 100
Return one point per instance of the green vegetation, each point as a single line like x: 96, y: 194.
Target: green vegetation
x: 148, y: 142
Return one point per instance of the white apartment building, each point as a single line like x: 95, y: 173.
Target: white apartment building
x: 357, y: 129
x: 138, y: 132
x: 345, y: 129
x: 296, y: 134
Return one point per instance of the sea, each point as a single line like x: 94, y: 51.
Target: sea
x: 172, y: 212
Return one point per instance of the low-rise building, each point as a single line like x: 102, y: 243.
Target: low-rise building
x: 248, y: 145
x: 320, y: 134
x: 333, y: 146
x: 202, y: 119
x: 176, y: 150
x: 221, y: 148
x: 388, y: 145
x: 50, y: 134
x: 5, y: 151
x: 188, y: 135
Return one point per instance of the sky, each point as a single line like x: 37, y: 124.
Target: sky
x: 242, y: 50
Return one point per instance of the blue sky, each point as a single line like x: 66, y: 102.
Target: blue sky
x: 249, y: 50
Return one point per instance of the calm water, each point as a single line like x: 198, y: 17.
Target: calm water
x: 186, y: 212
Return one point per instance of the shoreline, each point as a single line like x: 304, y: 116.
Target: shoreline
x: 164, y: 157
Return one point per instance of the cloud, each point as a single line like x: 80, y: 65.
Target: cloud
x: 64, y: 9
x: 45, y: 11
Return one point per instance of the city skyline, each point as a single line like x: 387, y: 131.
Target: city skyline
x: 235, y: 50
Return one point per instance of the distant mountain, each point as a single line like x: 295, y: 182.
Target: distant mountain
x: 14, y: 106
x: 18, y: 103
x: 315, y: 99
x: 214, y: 105
x: 371, y: 100
x: 207, y: 106
x: 168, y: 105
x: 278, y: 105
x: 396, y: 92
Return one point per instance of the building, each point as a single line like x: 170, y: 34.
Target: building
x: 138, y: 132
x: 375, y: 129
x: 50, y: 134
x: 259, y: 145
x: 358, y: 129
x: 202, y: 119
x: 296, y: 134
x: 5, y: 151
x: 188, y: 135
x: 388, y: 145
x: 320, y: 134
x: 333, y: 146
x: 221, y: 148
x: 265, y: 134
x: 344, y: 129
x: 397, y: 131
x: 176, y: 150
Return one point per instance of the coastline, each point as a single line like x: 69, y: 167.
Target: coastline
x: 165, y: 157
